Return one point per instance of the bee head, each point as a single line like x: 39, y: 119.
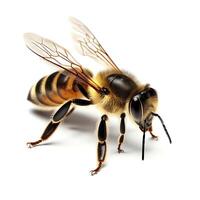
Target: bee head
x: 141, y: 107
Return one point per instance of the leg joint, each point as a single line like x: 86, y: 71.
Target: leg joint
x: 81, y: 102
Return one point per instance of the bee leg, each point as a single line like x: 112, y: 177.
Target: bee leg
x: 70, y: 111
x: 101, y: 147
x: 122, y: 131
x: 60, y: 114
x: 83, y: 91
x: 154, y: 137
x: 51, y: 127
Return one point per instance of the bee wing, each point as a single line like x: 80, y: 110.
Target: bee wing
x: 59, y: 56
x: 88, y: 45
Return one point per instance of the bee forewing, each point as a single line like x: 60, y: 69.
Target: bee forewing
x: 57, y: 55
x: 32, y: 40
x: 88, y: 45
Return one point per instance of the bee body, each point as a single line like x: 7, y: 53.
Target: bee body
x: 54, y: 90
x: 113, y: 91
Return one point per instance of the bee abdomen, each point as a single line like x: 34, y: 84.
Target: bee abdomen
x: 54, y: 89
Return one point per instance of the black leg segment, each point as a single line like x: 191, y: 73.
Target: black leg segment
x: 83, y: 91
x: 81, y: 102
x: 60, y: 114
x: 101, y: 147
x: 47, y: 133
x: 122, y: 132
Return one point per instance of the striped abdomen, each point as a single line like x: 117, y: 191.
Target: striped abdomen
x: 54, y: 89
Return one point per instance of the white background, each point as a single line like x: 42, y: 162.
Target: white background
x: 158, y: 41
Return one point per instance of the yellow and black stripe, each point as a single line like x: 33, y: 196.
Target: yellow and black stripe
x: 54, y: 90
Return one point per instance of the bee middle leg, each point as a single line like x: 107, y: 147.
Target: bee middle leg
x: 122, y: 132
x: 57, y: 118
x: 101, y: 147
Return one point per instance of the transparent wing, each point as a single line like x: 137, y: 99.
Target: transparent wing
x: 88, y: 45
x: 59, y: 56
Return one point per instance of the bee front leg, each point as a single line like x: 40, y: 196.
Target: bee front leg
x: 122, y: 131
x: 57, y: 118
x: 154, y: 137
x: 101, y: 147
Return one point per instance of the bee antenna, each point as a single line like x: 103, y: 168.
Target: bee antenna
x: 143, y: 142
x: 162, y: 122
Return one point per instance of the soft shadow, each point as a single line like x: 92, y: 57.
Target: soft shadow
x: 84, y: 123
x: 54, y: 143
x: 42, y: 113
x: 76, y: 121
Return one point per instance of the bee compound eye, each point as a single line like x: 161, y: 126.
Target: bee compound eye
x: 135, y: 108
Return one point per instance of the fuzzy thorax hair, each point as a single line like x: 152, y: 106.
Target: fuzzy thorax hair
x: 110, y: 103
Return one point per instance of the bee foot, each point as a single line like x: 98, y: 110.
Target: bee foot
x: 33, y: 144
x: 154, y: 138
x: 95, y: 171
x: 29, y: 145
x: 120, y: 150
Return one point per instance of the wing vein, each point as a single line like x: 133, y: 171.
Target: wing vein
x: 59, y: 56
x: 89, y: 45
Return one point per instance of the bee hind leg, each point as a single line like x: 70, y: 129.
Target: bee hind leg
x: 51, y: 127
x: 122, y: 132
x: 101, y: 147
x: 57, y: 118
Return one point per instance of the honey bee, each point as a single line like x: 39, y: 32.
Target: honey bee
x: 113, y: 90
